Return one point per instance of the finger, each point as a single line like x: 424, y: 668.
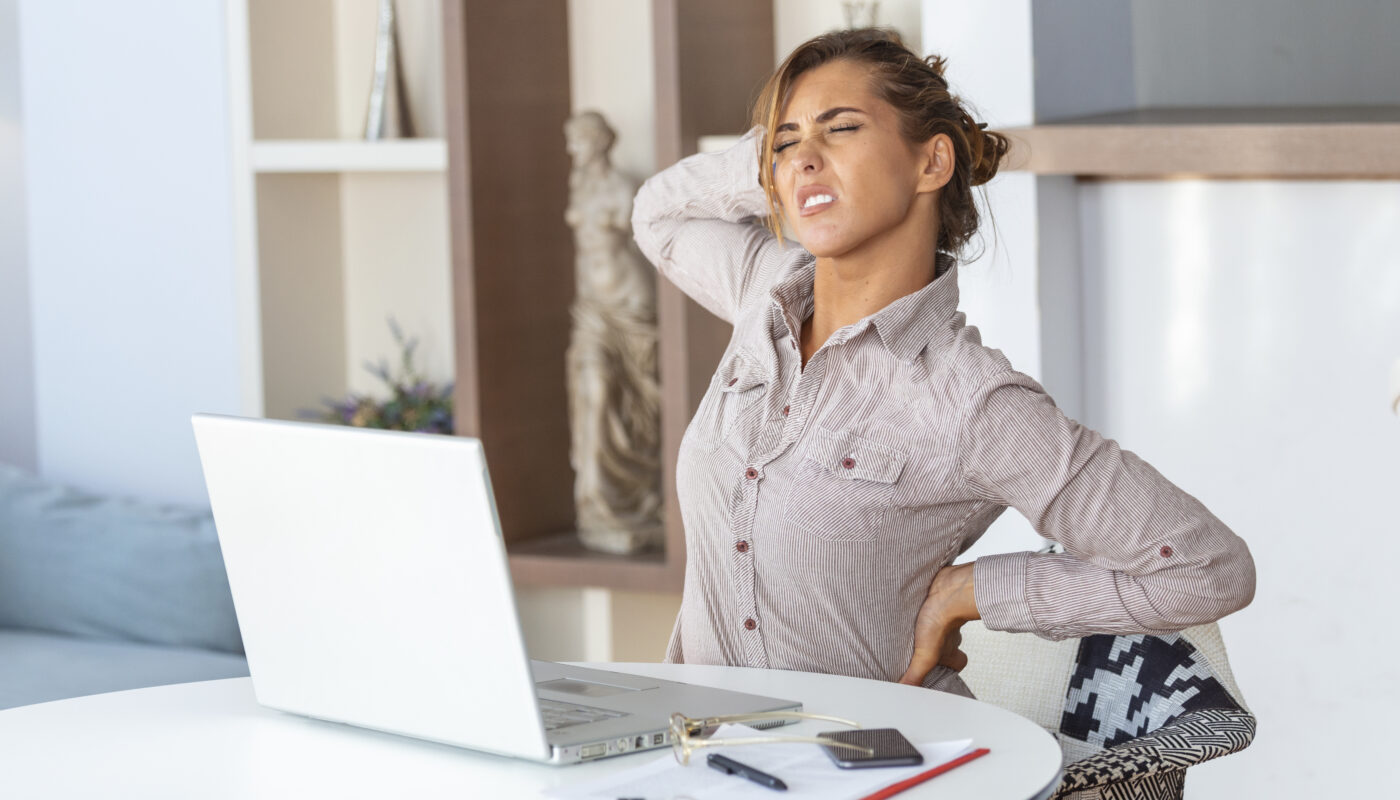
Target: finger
x: 955, y: 660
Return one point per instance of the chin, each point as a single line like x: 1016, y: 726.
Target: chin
x: 826, y: 246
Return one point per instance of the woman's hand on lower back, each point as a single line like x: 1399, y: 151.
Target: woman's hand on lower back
x: 938, y: 629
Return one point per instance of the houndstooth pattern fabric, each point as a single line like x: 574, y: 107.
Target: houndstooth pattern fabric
x: 1125, y: 686
x: 1153, y: 767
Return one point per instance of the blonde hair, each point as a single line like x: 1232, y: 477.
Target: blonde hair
x: 918, y: 91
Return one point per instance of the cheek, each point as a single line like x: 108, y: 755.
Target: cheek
x: 884, y: 187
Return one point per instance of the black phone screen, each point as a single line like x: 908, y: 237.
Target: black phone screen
x: 891, y: 748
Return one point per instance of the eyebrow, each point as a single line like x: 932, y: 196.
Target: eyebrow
x: 822, y: 117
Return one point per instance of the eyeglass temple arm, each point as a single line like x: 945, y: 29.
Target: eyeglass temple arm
x: 768, y: 739
x: 710, y: 721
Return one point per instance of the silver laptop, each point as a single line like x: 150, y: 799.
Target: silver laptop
x: 372, y: 588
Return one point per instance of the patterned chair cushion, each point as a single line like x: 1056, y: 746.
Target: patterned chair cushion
x: 1125, y: 686
x: 1154, y: 766
x: 1131, y: 713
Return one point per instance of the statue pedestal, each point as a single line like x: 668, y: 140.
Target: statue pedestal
x: 623, y: 542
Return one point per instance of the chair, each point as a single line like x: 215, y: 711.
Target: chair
x: 1131, y: 713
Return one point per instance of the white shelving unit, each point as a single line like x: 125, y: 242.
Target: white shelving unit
x: 335, y: 234
x: 339, y: 155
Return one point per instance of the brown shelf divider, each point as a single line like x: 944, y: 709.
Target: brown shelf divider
x: 1331, y: 142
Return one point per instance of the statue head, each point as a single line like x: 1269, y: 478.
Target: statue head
x: 587, y: 136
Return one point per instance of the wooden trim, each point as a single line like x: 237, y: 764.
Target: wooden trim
x: 1328, y: 143
x: 1200, y: 176
x: 466, y: 410
x: 671, y: 303
x: 507, y: 81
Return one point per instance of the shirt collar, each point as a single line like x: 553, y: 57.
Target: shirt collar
x: 905, y: 326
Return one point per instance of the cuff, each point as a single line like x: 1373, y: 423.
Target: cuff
x: 999, y: 587
x: 744, y: 188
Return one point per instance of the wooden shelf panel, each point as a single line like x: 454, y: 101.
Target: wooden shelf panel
x: 349, y: 155
x: 1304, y: 142
x: 560, y: 560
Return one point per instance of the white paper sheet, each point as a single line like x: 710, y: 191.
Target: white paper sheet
x: 808, y: 772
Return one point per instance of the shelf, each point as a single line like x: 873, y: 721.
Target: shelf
x: 561, y: 560
x: 1332, y: 142
x: 349, y: 155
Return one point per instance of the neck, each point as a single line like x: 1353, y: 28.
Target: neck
x: 884, y: 268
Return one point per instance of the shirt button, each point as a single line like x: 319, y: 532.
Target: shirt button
x: 848, y: 462
x: 1166, y: 551
x: 749, y: 624
x: 742, y: 546
x: 750, y: 473
x: 733, y: 381
x: 785, y: 410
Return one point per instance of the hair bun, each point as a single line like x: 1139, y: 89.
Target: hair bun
x: 988, y: 150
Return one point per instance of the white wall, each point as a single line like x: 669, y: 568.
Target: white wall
x: 999, y: 279
x: 17, y: 442
x: 1242, y: 334
x: 129, y: 237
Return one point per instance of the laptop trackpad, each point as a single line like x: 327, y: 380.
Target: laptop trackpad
x: 584, y: 688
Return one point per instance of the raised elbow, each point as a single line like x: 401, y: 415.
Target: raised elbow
x: 1205, y: 593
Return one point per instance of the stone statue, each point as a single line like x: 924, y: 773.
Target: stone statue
x: 614, y: 397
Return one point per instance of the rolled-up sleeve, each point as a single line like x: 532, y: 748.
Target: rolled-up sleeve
x: 699, y: 222
x: 1141, y: 555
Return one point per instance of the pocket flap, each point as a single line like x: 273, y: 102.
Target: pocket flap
x: 856, y: 457
x: 741, y: 373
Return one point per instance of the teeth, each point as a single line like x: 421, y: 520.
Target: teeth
x: 818, y: 199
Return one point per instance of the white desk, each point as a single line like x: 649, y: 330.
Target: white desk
x: 212, y: 740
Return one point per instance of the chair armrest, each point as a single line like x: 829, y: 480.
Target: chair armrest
x: 1162, y: 756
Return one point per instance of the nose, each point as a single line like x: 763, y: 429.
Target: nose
x: 805, y: 157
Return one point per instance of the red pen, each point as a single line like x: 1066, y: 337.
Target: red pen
x: 894, y: 789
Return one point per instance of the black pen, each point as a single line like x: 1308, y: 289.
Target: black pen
x: 729, y: 766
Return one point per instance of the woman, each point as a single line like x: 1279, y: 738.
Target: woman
x: 857, y: 436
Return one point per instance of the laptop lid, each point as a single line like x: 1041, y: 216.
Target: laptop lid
x: 371, y: 581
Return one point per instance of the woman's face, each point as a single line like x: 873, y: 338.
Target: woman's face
x: 843, y: 172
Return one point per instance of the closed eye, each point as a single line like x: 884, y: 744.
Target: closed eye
x: 778, y: 148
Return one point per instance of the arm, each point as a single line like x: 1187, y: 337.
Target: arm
x: 695, y: 220
x: 1142, y: 556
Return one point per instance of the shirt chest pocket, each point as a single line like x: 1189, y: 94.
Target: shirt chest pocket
x: 735, y: 400
x: 843, y: 487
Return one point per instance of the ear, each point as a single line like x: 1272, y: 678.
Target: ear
x: 936, y: 162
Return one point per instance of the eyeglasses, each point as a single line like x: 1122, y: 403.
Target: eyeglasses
x: 686, y: 732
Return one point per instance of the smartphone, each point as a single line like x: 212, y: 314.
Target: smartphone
x: 890, y: 746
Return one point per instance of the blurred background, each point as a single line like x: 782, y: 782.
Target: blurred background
x: 1194, y: 250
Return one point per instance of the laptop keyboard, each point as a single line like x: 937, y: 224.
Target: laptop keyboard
x: 561, y: 715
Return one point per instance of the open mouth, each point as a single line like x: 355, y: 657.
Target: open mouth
x: 817, y: 203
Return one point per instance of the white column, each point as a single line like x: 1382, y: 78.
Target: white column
x: 130, y: 231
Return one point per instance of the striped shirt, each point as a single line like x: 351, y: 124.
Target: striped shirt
x: 818, y: 502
